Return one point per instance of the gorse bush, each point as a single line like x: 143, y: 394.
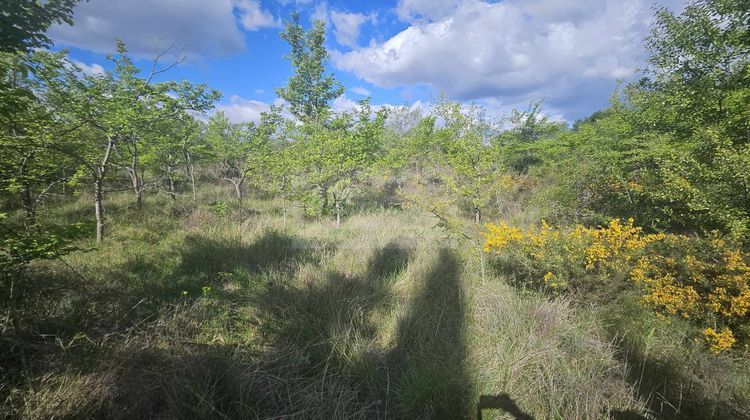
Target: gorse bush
x: 575, y: 258
x: 706, y: 281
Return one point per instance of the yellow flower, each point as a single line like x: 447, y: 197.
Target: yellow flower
x: 719, y: 341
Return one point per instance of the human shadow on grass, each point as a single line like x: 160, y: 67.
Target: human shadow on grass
x: 502, y: 403
x: 422, y: 373
x: 428, y: 361
x: 332, y: 324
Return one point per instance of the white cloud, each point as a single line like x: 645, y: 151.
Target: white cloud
x: 253, y: 17
x: 242, y: 110
x: 570, y: 53
x: 359, y: 90
x: 343, y: 104
x: 346, y: 27
x: 410, y: 10
x: 320, y: 12
x: 197, y: 28
x: 92, y: 69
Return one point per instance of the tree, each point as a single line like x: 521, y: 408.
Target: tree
x: 110, y: 112
x: 469, y: 168
x: 30, y: 171
x: 231, y: 148
x: 329, y: 153
x: 520, y: 142
x: 331, y: 160
x: 673, y: 152
x: 309, y: 90
x: 406, y: 143
x: 25, y: 22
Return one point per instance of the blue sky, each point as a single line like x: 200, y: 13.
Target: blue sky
x: 500, y: 54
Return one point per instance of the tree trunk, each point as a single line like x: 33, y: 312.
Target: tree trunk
x: 283, y: 210
x: 170, y: 179
x: 323, y: 193
x: 99, y: 209
x: 29, y: 206
x: 98, y: 174
x: 171, y: 188
x: 191, y: 173
x: 137, y: 182
x: 338, y: 211
x: 238, y: 189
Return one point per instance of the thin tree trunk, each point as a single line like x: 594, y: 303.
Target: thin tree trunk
x: 27, y: 200
x: 99, y: 173
x: 337, y: 204
x: 283, y: 210
x: 99, y: 209
x: 191, y: 173
x: 323, y: 193
x: 171, y: 188
x: 29, y: 206
x: 133, y: 170
x: 238, y: 189
x: 170, y: 179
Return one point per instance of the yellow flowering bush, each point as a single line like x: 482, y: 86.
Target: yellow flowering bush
x: 719, y: 341
x: 578, y: 257
x: 706, y: 281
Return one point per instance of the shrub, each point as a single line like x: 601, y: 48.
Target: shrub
x: 704, y: 280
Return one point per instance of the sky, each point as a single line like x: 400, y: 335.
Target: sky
x: 499, y: 54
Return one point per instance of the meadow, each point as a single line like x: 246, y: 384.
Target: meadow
x: 160, y: 259
x: 217, y: 310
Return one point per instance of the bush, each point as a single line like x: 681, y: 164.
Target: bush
x: 706, y: 281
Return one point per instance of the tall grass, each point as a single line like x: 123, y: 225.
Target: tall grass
x: 222, y: 310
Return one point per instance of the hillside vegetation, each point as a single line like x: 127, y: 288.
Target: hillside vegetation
x: 159, y: 260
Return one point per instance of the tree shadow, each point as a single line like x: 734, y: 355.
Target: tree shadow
x: 320, y: 356
x: 135, y: 294
x: 667, y: 393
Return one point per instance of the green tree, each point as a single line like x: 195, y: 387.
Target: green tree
x: 24, y: 22
x: 332, y: 160
x: 469, y: 167
x: 309, y: 91
x: 231, y: 149
x: 29, y: 171
x: 407, y: 144
x: 109, y: 114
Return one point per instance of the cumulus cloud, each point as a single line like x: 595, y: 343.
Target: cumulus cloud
x: 198, y: 28
x: 410, y: 10
x: 243, y: 110
x: 92, y: 69
x: 346, y: 27
x: 570, y: 53
x: 253, y: 17
x: 359, y: 90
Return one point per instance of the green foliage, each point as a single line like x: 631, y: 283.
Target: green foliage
x: 673, y: 151
x: 309, y: 90
x: 25, y: 22
x: 471, y: 170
